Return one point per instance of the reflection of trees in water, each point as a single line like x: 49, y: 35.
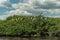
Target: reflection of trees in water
x: 30, y: 38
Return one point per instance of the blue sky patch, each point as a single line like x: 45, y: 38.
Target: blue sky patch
x: 3, y: 9
x: 14, y: 1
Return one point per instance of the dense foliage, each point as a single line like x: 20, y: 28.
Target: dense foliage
x: 30, y: 26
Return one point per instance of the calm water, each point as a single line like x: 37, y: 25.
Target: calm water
x: 19, y: 38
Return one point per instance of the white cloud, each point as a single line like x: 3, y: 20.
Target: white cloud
x: 3, y: 17
x: 22, y: 6
x: 36, y: 6
x: 17, y: 12
x: 54, y: 16
x: 2, y: 2
x: 33, y: 7
x: 51, y: 11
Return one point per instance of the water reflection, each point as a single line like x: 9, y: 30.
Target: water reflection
x: 19, y: 38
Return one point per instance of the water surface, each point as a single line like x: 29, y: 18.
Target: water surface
x: 32, y: 38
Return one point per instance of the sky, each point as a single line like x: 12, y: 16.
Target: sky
x: 49, y: 8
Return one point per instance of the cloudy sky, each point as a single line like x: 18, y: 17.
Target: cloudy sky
x: 50, y: 8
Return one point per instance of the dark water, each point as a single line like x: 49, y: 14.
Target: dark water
x: 32, y: 38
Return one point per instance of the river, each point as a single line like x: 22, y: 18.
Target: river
x: 32, y: 38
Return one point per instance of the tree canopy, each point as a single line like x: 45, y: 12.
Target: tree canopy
x: 30, y: 26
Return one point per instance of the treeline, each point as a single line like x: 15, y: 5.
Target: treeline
x: 30, y: 26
